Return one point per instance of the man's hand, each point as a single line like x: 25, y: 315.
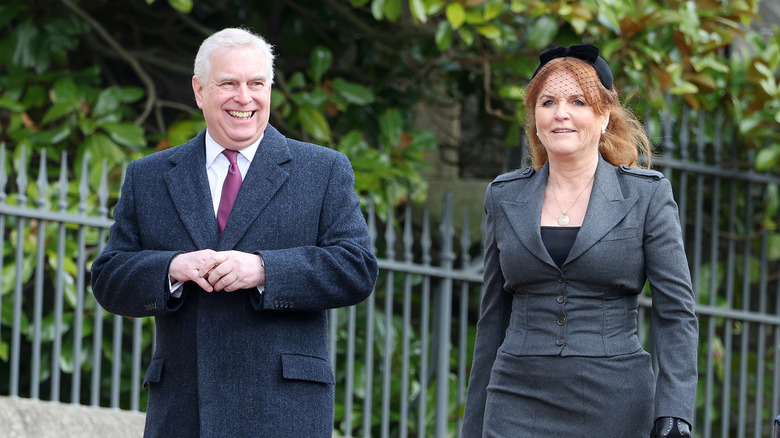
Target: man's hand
x: 189, y: 267
x: 233, y: 270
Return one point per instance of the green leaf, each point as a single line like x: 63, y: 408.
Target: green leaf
x: 296, y: 81
x: 489, y: 31
x: 107, y: 103
x: 767, y: 158
x: 518, y: 6
x: 684, y: 88
x: 129, y: 94
x: 126, y: 134
x: 320, y: 60
x: 352, y: 92
x: 100, y: 146
x: 749, y: 123
x: 184, y: 6
x: 455, y: 14
x: 377, y: 9
x: 392, y: 9
x: 391, y: 126
x: 52, y: 136
x: 493, y: 10
x: 466, y: 35
x: 773, y: 246
x: 11, y: 104
x: 417, y: 8
x: 542, y: 32
x: 443, y: 35
x: 182, y: 131
x: 314, y: 98
x: 314, y: 123
x: 57, y: 111
x: 65, y: 90
x: 514, y: 92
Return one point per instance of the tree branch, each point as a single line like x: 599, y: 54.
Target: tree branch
x: 124, y: 54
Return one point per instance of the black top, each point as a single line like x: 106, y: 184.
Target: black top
x: 558, y: 241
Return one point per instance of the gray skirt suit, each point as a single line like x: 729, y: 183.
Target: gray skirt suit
x: 557, y: 351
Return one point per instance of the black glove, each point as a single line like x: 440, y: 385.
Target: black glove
x: 670, y: 427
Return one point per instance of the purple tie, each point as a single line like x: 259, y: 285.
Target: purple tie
x: 229, y: 190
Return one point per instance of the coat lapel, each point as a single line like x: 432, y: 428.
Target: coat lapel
x: 188, y: 186
x: 606, y: 208
x: 263, y: 179
x: 525, y: 214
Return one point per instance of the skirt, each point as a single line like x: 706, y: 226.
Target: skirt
x: 554, y: 396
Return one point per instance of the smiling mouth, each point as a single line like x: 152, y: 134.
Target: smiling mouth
x: 562, y: 131
x: 241, y: 115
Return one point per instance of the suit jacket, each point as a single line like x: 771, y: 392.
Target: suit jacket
x: 241, y: 363
x: 631, y: 233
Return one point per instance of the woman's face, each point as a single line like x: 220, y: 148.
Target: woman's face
x: 565, y: 123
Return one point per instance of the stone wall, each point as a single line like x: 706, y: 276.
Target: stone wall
x: 25, y: 418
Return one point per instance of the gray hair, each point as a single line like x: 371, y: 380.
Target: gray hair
x: 232, y: 38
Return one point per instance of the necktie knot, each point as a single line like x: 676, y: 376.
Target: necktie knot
x: 231, y: 156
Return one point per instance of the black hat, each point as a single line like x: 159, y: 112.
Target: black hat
x: 585, y: 52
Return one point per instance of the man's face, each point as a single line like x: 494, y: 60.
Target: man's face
x: 236, y: 97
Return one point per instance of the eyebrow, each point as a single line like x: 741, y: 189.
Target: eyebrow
x: 550, y: 96
x: 259, y: 77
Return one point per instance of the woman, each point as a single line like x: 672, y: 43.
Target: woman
x: 570, y: 245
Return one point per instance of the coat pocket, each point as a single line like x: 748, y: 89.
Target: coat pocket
x: 303, y: 367
x: 154, y: 372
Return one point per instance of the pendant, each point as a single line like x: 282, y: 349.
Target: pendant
x: 563, y: 220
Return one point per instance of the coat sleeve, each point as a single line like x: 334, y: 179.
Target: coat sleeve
x: 674, y: 325
x: 127, y: 279
x: 494, y: 318
x: 339, y: 270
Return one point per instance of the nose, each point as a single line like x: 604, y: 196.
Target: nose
x: 561, y: 111
x: 242, y: 95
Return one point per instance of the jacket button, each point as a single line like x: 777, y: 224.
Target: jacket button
x: 561, y: 320
x: 561, y: 279
x: 560, y: 299
x: 560, y: 341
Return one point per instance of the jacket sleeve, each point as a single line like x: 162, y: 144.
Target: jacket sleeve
x: 339, y: 270
x: 494, y: 318
x: 127, y: 279
x: 674, y: 325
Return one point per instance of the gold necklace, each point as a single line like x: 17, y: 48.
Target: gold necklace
x: 563, y: 219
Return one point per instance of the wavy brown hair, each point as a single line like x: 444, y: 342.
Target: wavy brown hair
x: 625, y: 137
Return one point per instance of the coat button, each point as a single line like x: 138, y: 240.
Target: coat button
x: 560, y: 341
x: 561, y: 279
x: 560, y: 299
x: 561, y: 320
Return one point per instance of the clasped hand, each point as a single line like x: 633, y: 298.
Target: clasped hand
x: 218, y: 270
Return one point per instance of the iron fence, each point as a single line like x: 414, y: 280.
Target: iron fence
x: 401, y: 358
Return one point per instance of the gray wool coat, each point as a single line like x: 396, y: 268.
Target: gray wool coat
x: 242, y: 363
x: 630, y: 234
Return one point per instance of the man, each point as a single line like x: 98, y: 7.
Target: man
x: 241, y: 312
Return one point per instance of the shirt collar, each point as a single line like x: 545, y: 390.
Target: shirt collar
x: 213, y: 149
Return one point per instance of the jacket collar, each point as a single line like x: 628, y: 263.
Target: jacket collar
x: 606, y: 208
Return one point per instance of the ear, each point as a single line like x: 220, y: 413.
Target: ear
x: 197, y: 89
